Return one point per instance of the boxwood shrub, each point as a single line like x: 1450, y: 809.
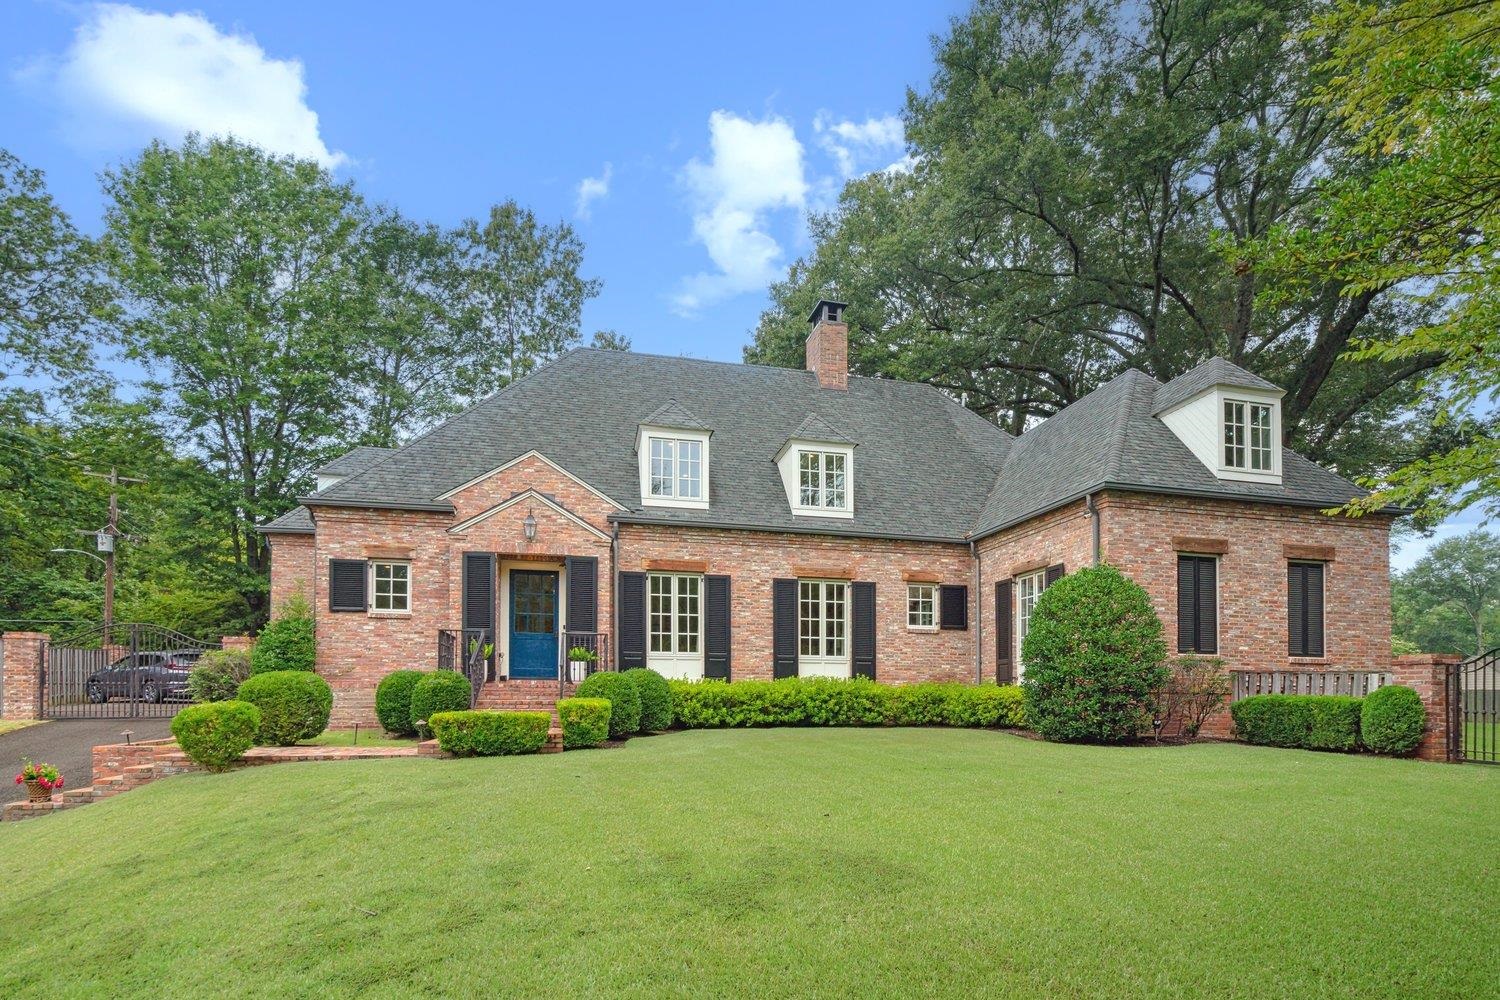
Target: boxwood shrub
x: 656, y: 699
x: 1307, y: 721
x: 1392, y: 719
x: 987, y: 706
x: 585, y: 722
x: 218, y: 675
x: 294, y: 705
x: 438, y: 691
x: 624, y: 701
x: 490, y: 734
x: 919, y: 704
x: 393, y: 701
x: 287, y: 642
x: 818, y: 701
x: 215, y: 734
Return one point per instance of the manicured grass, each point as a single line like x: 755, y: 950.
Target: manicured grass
x: 772, y: 863
x: 371, y: 737
x: 10, y: 727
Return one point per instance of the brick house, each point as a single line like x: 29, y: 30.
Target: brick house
x: 722, y: 520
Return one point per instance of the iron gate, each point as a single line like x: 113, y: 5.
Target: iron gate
x: 1474, y: 709
x: 120, y: 672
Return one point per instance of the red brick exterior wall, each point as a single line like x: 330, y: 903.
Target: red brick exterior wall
x: 291, y: 567
x: 753, y: 559
x: 20, y: 688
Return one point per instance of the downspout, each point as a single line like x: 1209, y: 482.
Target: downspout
x: 614, y: 591
x: 1093, y: 510
x: 978, y: 613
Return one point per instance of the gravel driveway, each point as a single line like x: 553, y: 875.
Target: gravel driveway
x: 66, y: 744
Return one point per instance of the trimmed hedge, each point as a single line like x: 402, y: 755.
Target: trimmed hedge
x: 624, y: 700
x: 490, y: 734
x: 218, y: 675
x: 287, y: 641
x: 1392, y: 719
x: 1307, y: 721
x: 585, y: 722
x: 217, y: 733
x: 294, y: 705
x: 438, y: 691
x: 820, y: 701
x: 393, y: 701
x: 656, y: 699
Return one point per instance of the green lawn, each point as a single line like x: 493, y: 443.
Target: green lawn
x: 371, y: 737
x: 772, y: 863
x: 10, y: 727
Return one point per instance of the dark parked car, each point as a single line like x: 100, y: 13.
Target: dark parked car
x: 153, y: 677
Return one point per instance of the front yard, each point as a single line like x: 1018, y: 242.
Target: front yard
x: 780, y: 862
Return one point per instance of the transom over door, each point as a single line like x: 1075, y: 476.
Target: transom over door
x: 533, y: 624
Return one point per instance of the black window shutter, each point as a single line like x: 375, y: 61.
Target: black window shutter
x: 1054, y: 573
x: 1305, y: 609
x: 346, y: 584
x: 1208, y: 605
x: 1197, y: 604
x: 479, y: 592
x: 954, y: 604
x: 632, y: 620
x: 1187, y: 604
x: 862, y: 628
x: 1005, y: 614
x: 784, y: 628
x: 716, y: 627
x: 583, y: 593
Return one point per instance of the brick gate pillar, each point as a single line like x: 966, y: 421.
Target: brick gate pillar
x: 240, y: 642
x: 1427, y: 674
x: 20, y: 675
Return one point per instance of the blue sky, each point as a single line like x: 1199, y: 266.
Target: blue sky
x: 686, y: 142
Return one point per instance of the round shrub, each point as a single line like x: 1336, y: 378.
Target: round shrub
x: 438, y: 691
x: 656, y: 699
x: 393, y: 701
x: 585, y: 722
x: 294, y: 705
x: 1094, y: 658
x: 624, y: 701
x: 216, y: 733
x: 1392, y: 719
x: 286, y: 643
x: 218, y: 675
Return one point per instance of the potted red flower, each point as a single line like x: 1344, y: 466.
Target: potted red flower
x: 41, y: 780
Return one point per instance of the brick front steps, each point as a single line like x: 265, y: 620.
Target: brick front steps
x: 521, y: 696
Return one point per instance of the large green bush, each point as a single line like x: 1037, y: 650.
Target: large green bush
x: 215, y: 734
x: 393, y: 701
x: 624, y: 701
x: 294, y: 705
x: 585, y: 722
x: 286, y: 643
x: 1306, y: 721
x: 438, y: 691
x: 490, y: 734
x: 920, y: 704
x: 218, y: 675
x: 1094, y: 657
x: 656, y: 699
x: 988, y: 706
x: 1392, y: 720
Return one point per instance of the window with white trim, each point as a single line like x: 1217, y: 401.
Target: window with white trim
x: 676, y: 468
x: 390, y: 586
x: 822, y: 479
x: 674, y: 624
x: 1028, y: 589
x: 1247, y: 435
x: 823, y: 627
x: 921, y: 605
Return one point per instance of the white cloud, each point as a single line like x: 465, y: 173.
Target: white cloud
x: 136, y: 72
x: 756, y: 169
x: 856, y: 146
x: 590, y: 190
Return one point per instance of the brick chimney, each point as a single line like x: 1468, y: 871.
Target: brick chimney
x: 828, y: 345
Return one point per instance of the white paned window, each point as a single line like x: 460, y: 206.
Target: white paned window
x: 1247, y: 436
x: 822, y: 478
x: 823, y: 628
x: 1028, y: 589
x: 676, y: 468
x: 675, y: 624
x: 921, y: 605
x: 390, y: 586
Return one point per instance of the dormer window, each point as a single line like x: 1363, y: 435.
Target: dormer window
x: 822, y: 479
x: 1230, y: 419
x: 676, y: 468
x: 672, y: 447
x: 1247, y: 435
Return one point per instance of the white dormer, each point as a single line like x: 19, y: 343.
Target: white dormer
x: 817, y: 470
x: 671, y: 448
x: 1229, y: 418
x: 326, y: 482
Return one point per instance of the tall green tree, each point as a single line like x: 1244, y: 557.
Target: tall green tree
x: 1449, y: 601
x: 241, y: 270
x: 1085, y: 174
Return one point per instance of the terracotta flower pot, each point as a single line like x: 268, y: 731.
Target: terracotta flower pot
x: 35, y: 792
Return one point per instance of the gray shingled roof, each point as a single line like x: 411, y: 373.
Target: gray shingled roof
x: 1110, y: 438
x: 815, y: 428
x: 673, y: 415
x: 924, y: 466
x: 1214, y: 371
x: 299, y: 520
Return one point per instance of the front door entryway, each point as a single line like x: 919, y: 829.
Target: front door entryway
x: 533, y: 624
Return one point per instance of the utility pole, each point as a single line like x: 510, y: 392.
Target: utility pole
x: 104, y: 540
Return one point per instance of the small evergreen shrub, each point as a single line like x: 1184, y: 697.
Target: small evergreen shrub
x: 217, y: 733
x: 490, y: 734
x: 438, y: 691
x: 294, y: 705
x: 393, y: 701
x: 624, y: 701
x: 1392, y: 719
x: 1094, y: 658
x: 218, y: 675
x: 837, y: 702
x: 585, y: 722
x: 656, y: 699
x: 1305, y: 721
x: 286, y: 643
x: 919, y: 704
x: 986, y: 706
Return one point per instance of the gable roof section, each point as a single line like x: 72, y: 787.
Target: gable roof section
x: 297, y: 521
x: 531, y: 497
x: 815, y: 428
x: 1214, y: 371
x: 672, y: 415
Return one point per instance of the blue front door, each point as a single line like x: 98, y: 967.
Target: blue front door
x: 533, y: 624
